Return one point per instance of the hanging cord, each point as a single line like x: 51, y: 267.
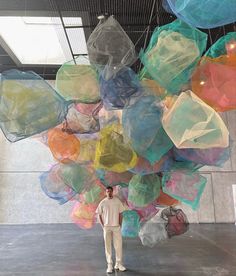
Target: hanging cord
x: 209, y: 32
x: 148, y: 28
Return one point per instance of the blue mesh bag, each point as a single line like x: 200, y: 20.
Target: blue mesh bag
x: 141, y: 120
x: 116, y: 91
x: 209, y: 157
x: 205, y: 14
x: 54, y: 187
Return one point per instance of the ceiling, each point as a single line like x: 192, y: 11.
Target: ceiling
x: 138, y: 18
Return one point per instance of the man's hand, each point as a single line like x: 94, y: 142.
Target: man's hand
x: 120, y: 219
x: 101, y: 221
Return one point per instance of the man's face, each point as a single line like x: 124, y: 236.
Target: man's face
x: 109, y: 193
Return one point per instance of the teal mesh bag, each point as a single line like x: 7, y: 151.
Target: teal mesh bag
x: 143, y: 189
x: 173, y: 53
x: 130, y: 224
x: 224, y: 45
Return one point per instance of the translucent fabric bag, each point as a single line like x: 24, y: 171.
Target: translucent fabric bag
x: 87, y: 150
x: 174, y: 162
x: 112, y: 152
x: 166, y: 200
x: 143, y: 189
x: 64, y: 147
x: 191, y: 123
x: 94, y: 195
x: 214, y: 82
x: 209, y: 157
x: 78, y: 177
x: 173, y: 53
x: 153, y: 231
x: 177, y: 222
x: 109, y: 117
x: 141, y: 120
x: 226, y: 45
x: 154, y: 87
x: 54, y: 187
x: 83, y: 215
x: 109, y: 45
x: 121, y: 191
x: 116, y: 91
x: 77, y: 122
x: 144, y: 167
x: 88, y: 109
x: 205, y: 14
x: 130, y: 224
x: 78, y: 81
x: 146, y: 213
x: 29, y: 105
x: 185, y: 186
x: 109, y: 178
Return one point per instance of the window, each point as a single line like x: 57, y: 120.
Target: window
x: 42, y: 40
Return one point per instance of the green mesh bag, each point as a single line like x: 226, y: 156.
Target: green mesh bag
x: 28, y: 105
x: 94, y: 195
x: 78, y: 177
x: 76, y: 80
x: 143, y: 189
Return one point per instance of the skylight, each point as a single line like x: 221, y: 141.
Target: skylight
x: 42, y: 40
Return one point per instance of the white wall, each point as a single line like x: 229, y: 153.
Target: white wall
x: 21, y: 197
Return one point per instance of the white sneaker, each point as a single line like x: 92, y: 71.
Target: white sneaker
x: 109, y: 269
x: 120, y: 267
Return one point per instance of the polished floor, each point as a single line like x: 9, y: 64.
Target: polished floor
x: 65, y: 250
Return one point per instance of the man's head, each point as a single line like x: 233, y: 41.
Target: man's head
x: 109, y: 192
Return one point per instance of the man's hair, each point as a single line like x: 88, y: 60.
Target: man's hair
x: 109, y: 188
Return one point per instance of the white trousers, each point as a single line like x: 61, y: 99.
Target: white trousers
x: 109, y: 233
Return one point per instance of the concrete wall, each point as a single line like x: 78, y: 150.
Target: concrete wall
x: 22, y: 201
x: 217, y: 202
x: 21, y: 197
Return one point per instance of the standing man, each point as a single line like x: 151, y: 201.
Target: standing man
x: 109, y: 211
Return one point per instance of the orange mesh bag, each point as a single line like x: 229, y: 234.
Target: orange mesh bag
x: 166, y: 200
x: 214, y: 82
x: 83, y: 215
x: 63, y: 146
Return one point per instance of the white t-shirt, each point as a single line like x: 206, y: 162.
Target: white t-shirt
x: 109, y: 209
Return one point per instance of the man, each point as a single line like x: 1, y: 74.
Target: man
x: 109, y: 211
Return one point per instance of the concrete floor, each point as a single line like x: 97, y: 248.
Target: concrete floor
x: 63, y: 249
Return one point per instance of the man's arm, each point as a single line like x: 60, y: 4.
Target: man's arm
x: 120, y: 219
x: 100, y: 220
